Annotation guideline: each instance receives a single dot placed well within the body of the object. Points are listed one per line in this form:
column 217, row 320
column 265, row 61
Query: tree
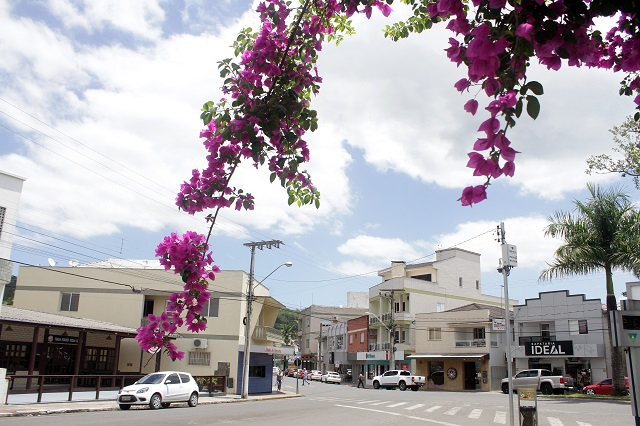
column 9, row 291
column 265, row 113
column 288, row 333
column 598, row 236
column 627, row 138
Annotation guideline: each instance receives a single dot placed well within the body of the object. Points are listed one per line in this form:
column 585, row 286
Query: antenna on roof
column 51, row 262
column 73, row 263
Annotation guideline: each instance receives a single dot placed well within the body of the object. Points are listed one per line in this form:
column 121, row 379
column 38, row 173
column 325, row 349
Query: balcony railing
column 267, row 333
column 473, row 343
column 384, row 317
column 378, row 346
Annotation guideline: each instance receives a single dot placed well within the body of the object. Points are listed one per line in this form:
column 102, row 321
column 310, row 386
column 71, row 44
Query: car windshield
column 151, row 379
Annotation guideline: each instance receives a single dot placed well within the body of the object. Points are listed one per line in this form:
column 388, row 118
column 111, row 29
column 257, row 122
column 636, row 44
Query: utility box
column 527, row 412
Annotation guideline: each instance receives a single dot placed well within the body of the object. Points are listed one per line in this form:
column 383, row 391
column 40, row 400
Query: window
column 14, row 356
column 257, row 371
column 185, row 378
column 307, row 344
column 477, row 284
column 439, row 307
column 199, row 358
column 578, row 327
column 173, row 378
column 308, row 322
column 397, row 305
column 340, row 342
column 435, row 334
column 582, row 327
column 362, row 337
column 460, row 281
column 478, row 333
column 544, row 331
column 404, row 306
column 211, row 307
column 351, row 339
column 425, row 277
column 99, row 359
column 69, row 302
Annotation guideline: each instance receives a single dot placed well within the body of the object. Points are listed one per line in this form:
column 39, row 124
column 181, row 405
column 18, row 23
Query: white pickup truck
column 540, row 380
column 401, row 379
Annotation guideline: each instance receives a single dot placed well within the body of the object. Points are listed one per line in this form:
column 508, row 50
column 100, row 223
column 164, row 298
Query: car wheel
column 505, row 388
column 590, row 392
column 125, row 407
column 402, row 386
column 546, row 389
column 166, row 404
column 155, row 402
column 193, row 400
column 376, row 385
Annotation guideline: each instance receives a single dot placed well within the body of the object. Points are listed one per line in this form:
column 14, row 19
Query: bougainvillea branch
column 265, row 112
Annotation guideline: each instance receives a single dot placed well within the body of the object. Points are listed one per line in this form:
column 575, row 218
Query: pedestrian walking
column 279, row 379
column 361, row 381
column 305, row 377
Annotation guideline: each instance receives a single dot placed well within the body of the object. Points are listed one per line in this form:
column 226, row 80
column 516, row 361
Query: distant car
column 324, row 376
column 291, row 373
column 333, row 378
column 605, row 387
column 315, row 375
column 160, row 390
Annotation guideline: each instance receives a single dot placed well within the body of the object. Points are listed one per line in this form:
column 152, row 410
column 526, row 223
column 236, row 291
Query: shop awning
column 444, row 356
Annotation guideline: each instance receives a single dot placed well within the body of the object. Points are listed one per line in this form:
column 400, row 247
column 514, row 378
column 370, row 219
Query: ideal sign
column 557, row 348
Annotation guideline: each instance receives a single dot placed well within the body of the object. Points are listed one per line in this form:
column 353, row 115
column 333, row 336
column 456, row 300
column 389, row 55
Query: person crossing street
column 361, row 381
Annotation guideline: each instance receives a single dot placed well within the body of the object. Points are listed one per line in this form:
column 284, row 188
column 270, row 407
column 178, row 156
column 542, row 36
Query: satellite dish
column 73, row 263
column 51, row 262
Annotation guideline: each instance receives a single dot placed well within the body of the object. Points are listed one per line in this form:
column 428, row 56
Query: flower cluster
column 497, row 46
column 189, row 257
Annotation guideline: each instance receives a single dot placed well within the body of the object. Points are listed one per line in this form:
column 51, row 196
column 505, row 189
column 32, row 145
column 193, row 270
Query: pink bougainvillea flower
column 472, row 195
column 525, row 31
column 461, row 85
column 471, row 106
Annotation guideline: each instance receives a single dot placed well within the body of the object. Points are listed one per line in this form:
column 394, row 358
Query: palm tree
column 288, row 332
column 600, row 236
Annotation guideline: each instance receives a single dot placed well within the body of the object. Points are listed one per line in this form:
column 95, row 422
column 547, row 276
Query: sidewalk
column 21, row 405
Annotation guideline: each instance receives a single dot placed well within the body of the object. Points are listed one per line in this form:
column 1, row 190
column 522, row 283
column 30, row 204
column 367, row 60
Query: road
column 327, row 404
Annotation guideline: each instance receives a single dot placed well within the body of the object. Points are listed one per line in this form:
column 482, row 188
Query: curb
column 28, row 412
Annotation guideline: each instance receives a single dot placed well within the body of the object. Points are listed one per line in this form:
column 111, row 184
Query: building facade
column 451, row 281
column 313, row 324
column 563, row 333
column 10, row 192
column 126, row 292
column 462, row 348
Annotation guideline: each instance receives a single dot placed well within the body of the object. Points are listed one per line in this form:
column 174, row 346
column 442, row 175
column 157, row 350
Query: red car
column 604, row 387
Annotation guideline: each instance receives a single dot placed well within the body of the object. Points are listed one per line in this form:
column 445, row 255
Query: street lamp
column 247, row 329
column 392, row 339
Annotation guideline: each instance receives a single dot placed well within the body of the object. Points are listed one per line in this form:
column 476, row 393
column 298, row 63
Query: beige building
column 126, row 292
column 459, row 349
column 450, row 281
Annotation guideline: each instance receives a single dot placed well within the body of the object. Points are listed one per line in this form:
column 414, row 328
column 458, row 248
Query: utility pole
column 392, row 331
column 247, row 319
column 508, row 261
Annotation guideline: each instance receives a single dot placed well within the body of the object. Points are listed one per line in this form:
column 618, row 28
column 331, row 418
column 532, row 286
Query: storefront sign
column 62, row 339
column 373, row 356
column 274, row 350
column 551, row 348
column 499, row 324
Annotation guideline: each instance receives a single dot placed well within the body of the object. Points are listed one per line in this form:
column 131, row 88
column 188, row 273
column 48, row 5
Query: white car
column 315, row 375
column 160, row 390
column 332, row 377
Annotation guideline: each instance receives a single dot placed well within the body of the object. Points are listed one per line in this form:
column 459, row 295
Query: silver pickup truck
column 540, row 380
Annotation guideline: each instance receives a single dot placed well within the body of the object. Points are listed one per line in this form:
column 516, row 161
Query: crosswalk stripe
column 452, row 411
column 432, row 409
column 583, row 424
column 500, row 417
column 396, row 405
column 554, row 421
column 475, row 413
column 413, row 407
column 381, row 403
column 368, row 402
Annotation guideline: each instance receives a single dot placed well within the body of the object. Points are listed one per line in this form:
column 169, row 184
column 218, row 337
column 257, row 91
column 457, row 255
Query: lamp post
column 247, row 324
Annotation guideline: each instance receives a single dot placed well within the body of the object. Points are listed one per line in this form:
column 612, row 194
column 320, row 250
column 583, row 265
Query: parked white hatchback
column 160, row 390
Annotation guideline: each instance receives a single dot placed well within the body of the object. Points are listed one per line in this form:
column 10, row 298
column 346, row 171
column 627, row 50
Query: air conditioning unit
column 199, row 343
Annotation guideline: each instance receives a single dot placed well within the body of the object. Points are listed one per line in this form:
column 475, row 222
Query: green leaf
column 533, row 106
column 273, row 176
column 519, row 108
column 535, row 87
column 292, row 199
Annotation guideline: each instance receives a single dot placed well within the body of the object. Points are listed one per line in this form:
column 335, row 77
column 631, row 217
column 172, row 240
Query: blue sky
column 99, row 107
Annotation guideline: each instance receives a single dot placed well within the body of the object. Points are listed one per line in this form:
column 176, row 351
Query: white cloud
column 141, row 18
